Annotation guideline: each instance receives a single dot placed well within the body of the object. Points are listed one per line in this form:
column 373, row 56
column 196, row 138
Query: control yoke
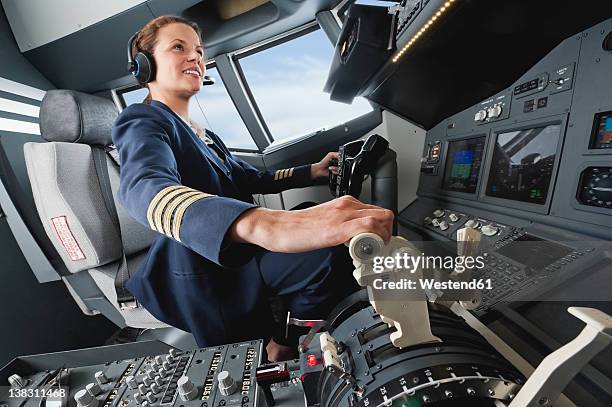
column 371, row 157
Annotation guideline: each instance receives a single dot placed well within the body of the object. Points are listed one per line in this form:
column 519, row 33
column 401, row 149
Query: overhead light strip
column 20, row 89
column 24, row 109
column 18, row 126
column 424, row 28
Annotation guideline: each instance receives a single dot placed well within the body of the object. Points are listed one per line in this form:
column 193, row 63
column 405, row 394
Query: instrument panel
column 522, row 163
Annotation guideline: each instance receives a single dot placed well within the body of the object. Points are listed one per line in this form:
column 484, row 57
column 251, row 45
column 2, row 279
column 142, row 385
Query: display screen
column 522, row 164
column 534, row 252
column 463, row 160
column 601, row 136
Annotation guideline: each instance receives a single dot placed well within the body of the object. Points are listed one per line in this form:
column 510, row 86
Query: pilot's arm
column 270, row 182
column 151, row 189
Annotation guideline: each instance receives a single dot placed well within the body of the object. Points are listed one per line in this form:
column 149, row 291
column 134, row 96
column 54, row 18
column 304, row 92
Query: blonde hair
column 146, row 39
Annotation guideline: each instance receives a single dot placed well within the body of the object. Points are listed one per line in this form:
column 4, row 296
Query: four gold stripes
column 167, row 208
column 282, row 174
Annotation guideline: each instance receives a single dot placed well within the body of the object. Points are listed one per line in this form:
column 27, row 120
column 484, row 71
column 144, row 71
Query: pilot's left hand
column 323, row 167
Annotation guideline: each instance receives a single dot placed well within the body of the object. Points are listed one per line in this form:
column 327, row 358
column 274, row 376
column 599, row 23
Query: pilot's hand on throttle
column 323, row 167
column 329, row 224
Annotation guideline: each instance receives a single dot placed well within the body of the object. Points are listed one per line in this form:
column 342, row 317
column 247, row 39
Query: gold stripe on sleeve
column 276, row 174
column 167, row 217
column 178, row 217
column 155, row 201
column 290, row 172
column 161, row 206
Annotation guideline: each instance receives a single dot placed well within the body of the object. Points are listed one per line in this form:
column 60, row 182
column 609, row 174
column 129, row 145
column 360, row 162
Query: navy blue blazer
column 172, row 182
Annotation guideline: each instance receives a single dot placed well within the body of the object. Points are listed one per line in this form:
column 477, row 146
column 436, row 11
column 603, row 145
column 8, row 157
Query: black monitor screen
column 522, row 164
column 463, row 159
column 602, row 131
column 534, row 252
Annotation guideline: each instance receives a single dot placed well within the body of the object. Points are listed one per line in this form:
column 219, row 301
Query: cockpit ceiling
column 476, row 50
column 93, row 58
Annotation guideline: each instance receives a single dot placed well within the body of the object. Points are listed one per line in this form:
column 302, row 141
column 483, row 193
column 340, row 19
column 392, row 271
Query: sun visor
column 366, row 42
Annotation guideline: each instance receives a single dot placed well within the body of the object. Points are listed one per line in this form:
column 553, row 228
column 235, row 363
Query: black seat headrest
column 76, row 117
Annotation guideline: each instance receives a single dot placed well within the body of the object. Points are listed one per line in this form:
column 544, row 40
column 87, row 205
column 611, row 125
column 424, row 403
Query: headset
column 142, row 65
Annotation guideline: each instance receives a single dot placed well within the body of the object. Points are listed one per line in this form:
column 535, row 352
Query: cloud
column 290, row 96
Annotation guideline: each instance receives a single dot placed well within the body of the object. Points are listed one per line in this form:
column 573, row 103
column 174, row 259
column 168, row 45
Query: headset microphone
column 207, row 80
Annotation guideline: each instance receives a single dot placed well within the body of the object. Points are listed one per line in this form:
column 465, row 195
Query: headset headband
column 131, row 65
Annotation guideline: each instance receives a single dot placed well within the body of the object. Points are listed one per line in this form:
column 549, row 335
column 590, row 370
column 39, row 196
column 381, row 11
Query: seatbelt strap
column 125, row 299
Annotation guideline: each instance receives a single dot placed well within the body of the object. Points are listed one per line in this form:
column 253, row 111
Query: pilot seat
column 69, row 190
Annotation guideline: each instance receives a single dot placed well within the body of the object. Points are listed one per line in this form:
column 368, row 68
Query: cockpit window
column 213, row 109
column 217, row 112
column 287, row 82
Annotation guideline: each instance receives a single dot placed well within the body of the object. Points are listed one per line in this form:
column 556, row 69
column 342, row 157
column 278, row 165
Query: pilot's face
column 179, row 57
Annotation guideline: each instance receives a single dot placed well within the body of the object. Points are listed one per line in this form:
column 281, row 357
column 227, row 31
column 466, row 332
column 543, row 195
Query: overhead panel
column 39, row 22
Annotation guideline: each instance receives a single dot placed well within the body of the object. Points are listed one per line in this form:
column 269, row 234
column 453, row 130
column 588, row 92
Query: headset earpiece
column 145, row 67
column 141, row 65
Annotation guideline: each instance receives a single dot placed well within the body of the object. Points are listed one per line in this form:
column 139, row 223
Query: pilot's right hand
column 325, row 225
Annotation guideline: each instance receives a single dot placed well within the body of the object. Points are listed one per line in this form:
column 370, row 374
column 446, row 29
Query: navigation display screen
column 463, row 160
column 602, row 131
column 522, row 164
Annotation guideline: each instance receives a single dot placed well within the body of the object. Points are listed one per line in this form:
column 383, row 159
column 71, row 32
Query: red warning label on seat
column 68, row 241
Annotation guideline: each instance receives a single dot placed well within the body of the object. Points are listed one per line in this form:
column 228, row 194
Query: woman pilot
column 219, row 256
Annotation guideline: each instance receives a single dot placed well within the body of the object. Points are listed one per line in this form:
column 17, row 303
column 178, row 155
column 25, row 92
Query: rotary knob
column 161, row 372
column 16, row 381
column 494, row 111
column 131, row 382
column 427, row 220
column 173, row 352
column 151, row 374
column 101, row 377
column 159, row 360
column 170, row 359
column 227, row 385
column 435, row 223
column 187, row 390
column 489, row 230
column 84, row 399
column 443, row 225
column 93, row 389
column 158, row 381
column 142, row 389
column 154, row 388
column 166, row 366
column 480, row 115
column 453, row 217
column 438, row 213
column 472, row 223
column 147, row 382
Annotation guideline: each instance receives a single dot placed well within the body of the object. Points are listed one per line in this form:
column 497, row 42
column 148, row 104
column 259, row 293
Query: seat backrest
column 69, row 199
